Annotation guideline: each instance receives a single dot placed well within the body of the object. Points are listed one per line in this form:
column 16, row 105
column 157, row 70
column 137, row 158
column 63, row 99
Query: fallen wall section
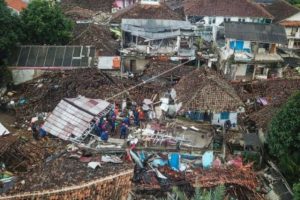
column 112, row 187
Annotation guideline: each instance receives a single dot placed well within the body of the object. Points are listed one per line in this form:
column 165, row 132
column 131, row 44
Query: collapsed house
column 250, row 51
column 209, row 16
column 152, row 30
column 72, row 117
column 207, row 96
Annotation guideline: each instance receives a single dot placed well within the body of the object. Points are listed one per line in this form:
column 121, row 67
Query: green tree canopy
column 284, row 138
column 9, row 30
column 296, row 191
column 43, row 22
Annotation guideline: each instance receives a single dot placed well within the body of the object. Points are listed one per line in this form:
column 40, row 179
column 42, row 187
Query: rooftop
column 281, row 10
column 265, row 33
column 142, row 11
column 239, row 8
column 204, row 89
column 17, row 5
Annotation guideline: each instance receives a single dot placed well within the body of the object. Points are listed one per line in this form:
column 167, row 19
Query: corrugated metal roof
column 264, row 33
column 72, row 116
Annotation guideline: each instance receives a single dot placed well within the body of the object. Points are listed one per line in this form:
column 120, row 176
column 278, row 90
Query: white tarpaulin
column 3, row 130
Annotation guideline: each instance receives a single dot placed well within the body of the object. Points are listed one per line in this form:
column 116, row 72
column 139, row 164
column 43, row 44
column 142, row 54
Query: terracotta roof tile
column 140, row 11
column 281, row 10
column 239, row 8
column 17, row 5
column 204, row 89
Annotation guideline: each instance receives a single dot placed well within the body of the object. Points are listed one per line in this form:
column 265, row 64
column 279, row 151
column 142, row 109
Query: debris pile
column 60, row 170
column 78, row 13
column 44, row 93
column 94, row 5
column 23, row 154
column 97, row 35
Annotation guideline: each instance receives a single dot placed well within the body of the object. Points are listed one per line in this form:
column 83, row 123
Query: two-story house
column 210, row 15
column 250, row 51
column 289, row 17
column 151, row 30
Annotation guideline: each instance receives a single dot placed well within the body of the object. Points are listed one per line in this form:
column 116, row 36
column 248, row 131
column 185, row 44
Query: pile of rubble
column 94, row 5
column 95, row 35
column 65, row 169
column 44, row 93
column 21, row 153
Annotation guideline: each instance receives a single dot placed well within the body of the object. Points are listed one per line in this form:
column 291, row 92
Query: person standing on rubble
column 123, row 131
column 141, row 117
column 104, row 136
column 126, row 120
column 136, row 118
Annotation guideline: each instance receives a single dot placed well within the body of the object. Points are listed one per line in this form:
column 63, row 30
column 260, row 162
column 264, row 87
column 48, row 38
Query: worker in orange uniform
column 141, row 117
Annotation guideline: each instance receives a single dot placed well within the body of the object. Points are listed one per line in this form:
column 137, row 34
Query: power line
column 148, row 80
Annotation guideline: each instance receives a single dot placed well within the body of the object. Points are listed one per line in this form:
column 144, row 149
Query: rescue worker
column 123, row 131
column 104, row 136
column 136, row 118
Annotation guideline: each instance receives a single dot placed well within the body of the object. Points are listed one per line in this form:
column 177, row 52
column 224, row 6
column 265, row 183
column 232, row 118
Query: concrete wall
column 21, row 76
column 112, row 187
column 140, row 64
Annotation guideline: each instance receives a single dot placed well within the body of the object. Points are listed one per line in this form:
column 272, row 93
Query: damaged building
column 209, row 16
column 249, row 51
column 153, row 30
column 206, row 96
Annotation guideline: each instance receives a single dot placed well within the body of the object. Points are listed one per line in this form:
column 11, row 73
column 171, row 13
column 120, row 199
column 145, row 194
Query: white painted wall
column 241, row 70
column 295, row 17
column 217, row 118
column 21, row 76
column 220, row 19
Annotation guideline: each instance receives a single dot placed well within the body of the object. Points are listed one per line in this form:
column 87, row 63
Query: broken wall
column 112, row 187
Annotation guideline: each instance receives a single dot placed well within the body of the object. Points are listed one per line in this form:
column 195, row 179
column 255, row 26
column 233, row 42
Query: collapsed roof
column 281, row 10
column 72, row 116
column 264, row 33
column 154, row 29
column 204, row 89
column 140, row 11
column 227, row 8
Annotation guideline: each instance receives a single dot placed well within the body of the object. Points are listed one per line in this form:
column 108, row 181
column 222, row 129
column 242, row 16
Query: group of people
column 107, row 125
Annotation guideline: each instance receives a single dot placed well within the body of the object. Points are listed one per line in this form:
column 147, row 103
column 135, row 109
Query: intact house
column 288, row 16
column 152, row 31
column 206, row 96
column 249, row 51
column 209, row 15
column 16, row 5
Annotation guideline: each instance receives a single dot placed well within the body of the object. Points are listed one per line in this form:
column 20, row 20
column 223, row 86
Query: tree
column 10, row 33
column 296, row 189
column 284, row 138
column 9, row 30
column 43, row 22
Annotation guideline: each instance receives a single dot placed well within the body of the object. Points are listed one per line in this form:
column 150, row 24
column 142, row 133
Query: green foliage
column 294, row 1
column 284, row 138
column 296, row 189
column 43, row 22
column 9, row 30
column 215, row 194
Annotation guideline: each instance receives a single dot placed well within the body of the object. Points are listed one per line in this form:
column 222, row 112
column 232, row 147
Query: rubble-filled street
column 150, row 99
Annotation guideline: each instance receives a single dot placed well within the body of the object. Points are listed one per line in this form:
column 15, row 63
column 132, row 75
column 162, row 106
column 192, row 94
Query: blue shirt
column 104, row 136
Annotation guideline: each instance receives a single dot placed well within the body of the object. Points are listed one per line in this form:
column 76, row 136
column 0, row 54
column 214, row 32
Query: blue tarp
column 159, row 162
column 174, row 161
column 207, row 159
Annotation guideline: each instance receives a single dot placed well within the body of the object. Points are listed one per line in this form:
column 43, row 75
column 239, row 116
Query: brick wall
column 114, row 187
